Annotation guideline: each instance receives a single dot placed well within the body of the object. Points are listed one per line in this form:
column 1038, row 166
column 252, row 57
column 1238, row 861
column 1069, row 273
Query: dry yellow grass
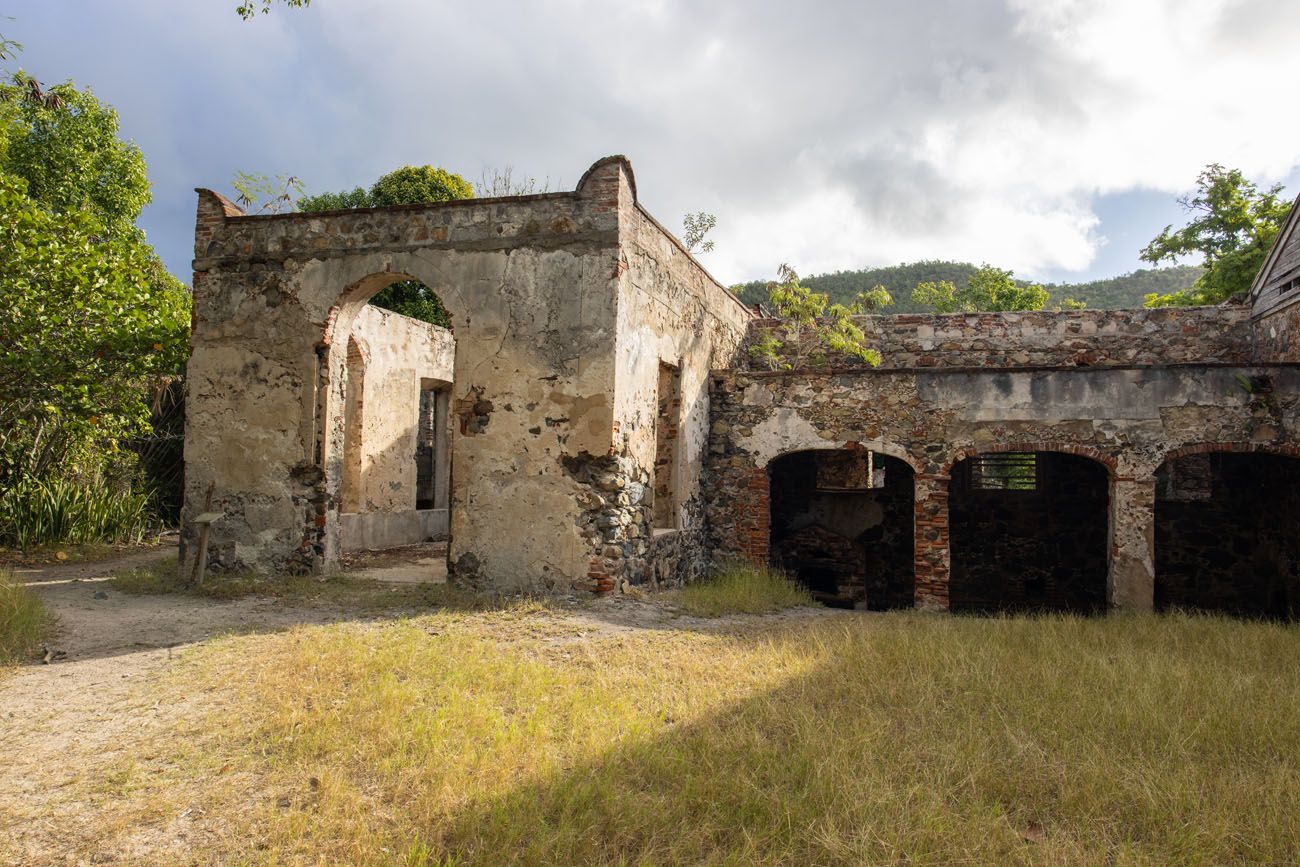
column 527, row 736
column 22, row 621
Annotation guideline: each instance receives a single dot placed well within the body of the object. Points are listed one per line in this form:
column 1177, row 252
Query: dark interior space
column 1226, row 537
column 1028, row 532
column 842, row 525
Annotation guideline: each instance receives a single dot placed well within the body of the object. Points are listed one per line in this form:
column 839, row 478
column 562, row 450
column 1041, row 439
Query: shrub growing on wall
column 409, row 185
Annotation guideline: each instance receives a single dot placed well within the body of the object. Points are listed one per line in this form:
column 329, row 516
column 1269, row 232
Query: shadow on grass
column 944, row 741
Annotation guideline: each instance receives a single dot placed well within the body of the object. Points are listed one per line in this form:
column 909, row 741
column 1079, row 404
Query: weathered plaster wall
column 400, row 354
column 532, row 285
column 1129, row 419
column 670, row 311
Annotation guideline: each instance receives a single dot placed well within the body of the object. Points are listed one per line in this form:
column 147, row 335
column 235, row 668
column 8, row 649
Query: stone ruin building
column 592, row 421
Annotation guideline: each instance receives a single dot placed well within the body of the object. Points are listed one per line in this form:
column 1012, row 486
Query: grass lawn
column 530, row 735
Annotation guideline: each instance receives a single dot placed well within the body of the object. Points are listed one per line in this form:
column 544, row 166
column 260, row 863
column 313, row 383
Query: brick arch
column 1283, row 449
column 1109, row 461
column 889, row 450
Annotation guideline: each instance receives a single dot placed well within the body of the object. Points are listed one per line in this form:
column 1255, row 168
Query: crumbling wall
column 670, row 312
column 1051, row 338
column 532, row 285
column 1127, row 418
column 401, row 354
column 395, row 356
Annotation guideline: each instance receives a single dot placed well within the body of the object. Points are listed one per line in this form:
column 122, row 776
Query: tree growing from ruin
column 812, row 330
column 989, row 288
column 409, row 185
column 1233, row 226
column 694, row 229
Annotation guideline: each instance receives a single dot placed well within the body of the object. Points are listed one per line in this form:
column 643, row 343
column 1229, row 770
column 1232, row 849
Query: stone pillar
column 1130, row 584
column 931, row 539
column 756, row 518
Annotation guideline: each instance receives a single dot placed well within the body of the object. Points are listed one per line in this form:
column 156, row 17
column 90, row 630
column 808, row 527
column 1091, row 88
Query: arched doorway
column 1028, row 531
column 385, row 426
column 842, row 524
column 1226, row 537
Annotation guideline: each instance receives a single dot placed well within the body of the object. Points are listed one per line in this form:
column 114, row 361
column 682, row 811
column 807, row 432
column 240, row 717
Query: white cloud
column 826, row 134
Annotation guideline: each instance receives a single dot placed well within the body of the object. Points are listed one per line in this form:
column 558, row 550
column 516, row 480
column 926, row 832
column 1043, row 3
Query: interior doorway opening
column 1226, row 537
column 1029, row 532
column 842, row 525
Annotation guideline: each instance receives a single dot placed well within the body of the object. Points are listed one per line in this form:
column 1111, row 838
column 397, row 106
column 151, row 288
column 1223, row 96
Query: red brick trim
column 889, row 450
column 1284, row 449
column 1109, row 461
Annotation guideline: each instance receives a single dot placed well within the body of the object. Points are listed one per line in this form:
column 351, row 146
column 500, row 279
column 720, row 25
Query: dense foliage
column 900, row 280
column 1233, row 227
column 89, row 318
column 409, row 185
column 988, row 288
column 812, row 329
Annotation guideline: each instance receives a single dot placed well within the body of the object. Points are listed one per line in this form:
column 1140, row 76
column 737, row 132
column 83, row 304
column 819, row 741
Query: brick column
column 1130, row 583
column 931, row 539
column 754, row 527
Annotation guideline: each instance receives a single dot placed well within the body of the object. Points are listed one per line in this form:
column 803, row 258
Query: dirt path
column 76, row 715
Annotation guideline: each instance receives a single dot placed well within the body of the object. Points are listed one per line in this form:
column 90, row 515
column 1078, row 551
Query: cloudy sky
column 1048, row 136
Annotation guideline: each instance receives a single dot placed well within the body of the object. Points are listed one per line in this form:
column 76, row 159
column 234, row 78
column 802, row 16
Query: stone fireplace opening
column 1029, row 532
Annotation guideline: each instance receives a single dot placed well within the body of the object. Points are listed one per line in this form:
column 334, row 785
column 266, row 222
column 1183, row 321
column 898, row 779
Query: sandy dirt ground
column 89, row 705
column 74, row 719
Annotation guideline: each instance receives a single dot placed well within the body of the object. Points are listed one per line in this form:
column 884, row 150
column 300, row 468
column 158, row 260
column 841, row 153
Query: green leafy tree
column 63, row 143
column 875, row 298
column 937, row 295
column 1233, row 227
column 87, row 319
column 259, row 193
column 694, row 229
column 410, row 185
column 988, row 289
column 356, row 198
column 810, row 326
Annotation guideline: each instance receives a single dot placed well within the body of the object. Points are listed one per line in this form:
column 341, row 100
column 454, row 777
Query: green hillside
column 1127, row 290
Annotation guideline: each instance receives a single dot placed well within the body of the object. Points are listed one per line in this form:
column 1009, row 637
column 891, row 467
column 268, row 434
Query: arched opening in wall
column 1028, row 531
column 383, row 415
column 1226, row 537
column 842, row 525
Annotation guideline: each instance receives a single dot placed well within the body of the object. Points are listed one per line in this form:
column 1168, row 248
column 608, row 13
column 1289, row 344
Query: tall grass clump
column 742, row 588
column 22, row 620
column 63, row 511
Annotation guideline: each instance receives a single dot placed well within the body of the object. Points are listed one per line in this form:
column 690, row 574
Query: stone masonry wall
column 1045, row 338
column 671, row 312
column 1127, row 419
column 532, row 287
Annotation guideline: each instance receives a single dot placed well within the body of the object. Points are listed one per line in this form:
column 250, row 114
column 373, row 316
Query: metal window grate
column 1004, row 471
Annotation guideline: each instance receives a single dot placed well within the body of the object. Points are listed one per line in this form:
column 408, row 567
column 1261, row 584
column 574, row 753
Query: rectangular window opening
column 667, row 422
column 426, row 441
column 1004, row 471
